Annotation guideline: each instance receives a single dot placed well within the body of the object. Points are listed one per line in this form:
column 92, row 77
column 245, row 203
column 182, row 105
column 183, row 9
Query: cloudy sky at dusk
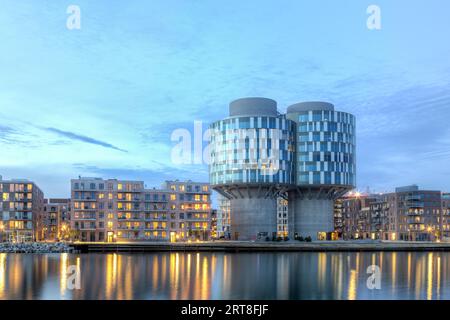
column 104, row 100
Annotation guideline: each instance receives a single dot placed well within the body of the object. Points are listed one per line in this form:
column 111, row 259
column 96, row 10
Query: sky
column 103, row 100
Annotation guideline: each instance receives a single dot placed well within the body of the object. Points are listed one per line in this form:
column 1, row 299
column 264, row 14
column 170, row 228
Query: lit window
column 119, row 186
column 181, row 187
column 173, row 197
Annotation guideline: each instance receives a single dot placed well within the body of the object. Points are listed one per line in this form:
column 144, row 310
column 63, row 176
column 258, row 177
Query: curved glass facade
column 254, row 149
column 325, row 147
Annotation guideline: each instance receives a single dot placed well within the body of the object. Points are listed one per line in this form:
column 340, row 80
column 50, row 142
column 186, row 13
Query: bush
column 308, row 239
column 279, row 239
column 286, row 239
column 267, row 239
column 300, row 239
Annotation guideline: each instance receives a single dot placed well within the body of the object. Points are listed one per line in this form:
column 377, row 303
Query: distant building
column 121, row 210
column 21, row 202
column 189, row 209
column 358, row 222
column 338, row 220
column 418, row 214
column 446, row 215
column 282, row 218
column 408, row 214
column 223, row 217
column 54, row 221
column 214, row 224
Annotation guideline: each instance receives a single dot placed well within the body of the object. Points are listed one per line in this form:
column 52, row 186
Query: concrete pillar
column 253, row 216
column 312, row 216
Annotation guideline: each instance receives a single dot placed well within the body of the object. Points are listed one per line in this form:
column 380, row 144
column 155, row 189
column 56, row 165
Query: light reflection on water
column 333, row 275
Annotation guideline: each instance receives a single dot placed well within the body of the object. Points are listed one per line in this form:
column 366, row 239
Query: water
column 415, row 275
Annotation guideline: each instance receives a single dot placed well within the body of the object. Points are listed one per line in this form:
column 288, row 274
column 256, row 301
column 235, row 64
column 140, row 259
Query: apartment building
column 214, row 224
column 338, row 219
column 282, row 217
column 121, row 210
column 21, row 202
column 408, row 214
column 358, row 222
column 54, row 220
column 446, row 215
column 189, row 210
column 223, row 217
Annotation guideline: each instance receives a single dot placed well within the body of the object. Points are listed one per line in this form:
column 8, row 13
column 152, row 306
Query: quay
column 241, row 246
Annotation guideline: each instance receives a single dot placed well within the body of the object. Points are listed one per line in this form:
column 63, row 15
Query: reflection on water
column 404, row 275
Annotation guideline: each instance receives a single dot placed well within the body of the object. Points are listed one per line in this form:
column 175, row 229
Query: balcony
column 412, row 205
column 129, row 228
column 415, row 197
column 155, row 229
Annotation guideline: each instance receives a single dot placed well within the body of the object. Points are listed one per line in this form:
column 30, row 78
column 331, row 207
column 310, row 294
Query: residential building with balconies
column 118, row 210
column 55, row 220
column 21, row 203
column 189, row 210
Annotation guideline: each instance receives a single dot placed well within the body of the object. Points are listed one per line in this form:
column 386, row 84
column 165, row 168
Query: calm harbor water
column 404, row 275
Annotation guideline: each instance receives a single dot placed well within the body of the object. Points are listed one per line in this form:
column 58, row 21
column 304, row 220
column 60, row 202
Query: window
column 119, row 186
column 303, row 117
column 173, row 197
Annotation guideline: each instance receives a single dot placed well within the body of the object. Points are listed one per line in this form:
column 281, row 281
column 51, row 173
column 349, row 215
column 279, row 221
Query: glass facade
column 326, row 148
column 254, row 149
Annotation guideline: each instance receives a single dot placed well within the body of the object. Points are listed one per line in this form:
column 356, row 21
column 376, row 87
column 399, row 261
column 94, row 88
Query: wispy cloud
column 78, row 137
column 5, row 132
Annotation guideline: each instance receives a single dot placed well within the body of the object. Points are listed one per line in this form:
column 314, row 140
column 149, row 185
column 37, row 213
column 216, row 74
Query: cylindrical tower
column 325, row 166
column 252, row 161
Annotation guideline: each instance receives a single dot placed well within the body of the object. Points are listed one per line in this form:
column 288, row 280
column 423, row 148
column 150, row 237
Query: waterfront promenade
column 240, row 246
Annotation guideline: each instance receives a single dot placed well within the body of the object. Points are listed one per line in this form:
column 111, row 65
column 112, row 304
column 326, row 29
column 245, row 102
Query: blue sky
column 104, row 100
